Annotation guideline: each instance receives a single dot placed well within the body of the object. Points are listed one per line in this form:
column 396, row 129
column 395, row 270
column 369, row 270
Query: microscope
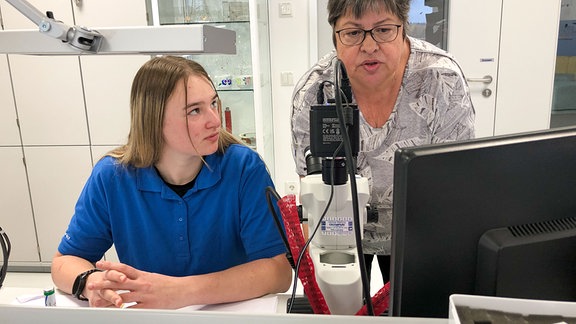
column 335, row 202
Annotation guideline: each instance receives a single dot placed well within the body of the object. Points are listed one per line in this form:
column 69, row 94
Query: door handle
column 486, row 79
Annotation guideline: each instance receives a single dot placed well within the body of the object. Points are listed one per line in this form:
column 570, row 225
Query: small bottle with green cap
column 49, row 297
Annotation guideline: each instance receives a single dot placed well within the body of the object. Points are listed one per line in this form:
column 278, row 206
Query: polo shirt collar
column 148, row 179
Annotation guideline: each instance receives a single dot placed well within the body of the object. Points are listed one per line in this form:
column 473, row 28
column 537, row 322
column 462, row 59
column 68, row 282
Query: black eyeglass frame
column 369, row 31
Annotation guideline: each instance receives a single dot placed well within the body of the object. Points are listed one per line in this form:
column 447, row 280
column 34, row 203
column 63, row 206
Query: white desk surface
column 18, row 284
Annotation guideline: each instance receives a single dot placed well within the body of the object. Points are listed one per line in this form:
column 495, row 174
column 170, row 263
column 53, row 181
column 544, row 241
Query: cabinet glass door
column 243, row 79
column 564, row 99
column 429, row 21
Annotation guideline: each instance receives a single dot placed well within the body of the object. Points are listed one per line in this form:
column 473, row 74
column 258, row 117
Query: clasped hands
column 120, row 285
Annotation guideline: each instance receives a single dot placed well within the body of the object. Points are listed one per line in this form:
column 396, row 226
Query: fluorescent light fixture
column 55, row 38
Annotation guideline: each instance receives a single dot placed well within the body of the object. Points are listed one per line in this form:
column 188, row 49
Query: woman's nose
column 369, row 45
column 214, row 119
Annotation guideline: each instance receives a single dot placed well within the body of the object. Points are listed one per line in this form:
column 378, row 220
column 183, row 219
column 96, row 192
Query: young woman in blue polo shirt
column 183, row 202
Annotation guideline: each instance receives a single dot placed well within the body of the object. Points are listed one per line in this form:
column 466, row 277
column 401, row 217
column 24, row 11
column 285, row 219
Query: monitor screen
column 446, row 196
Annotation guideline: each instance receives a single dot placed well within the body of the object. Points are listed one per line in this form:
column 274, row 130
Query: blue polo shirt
column 223, row 221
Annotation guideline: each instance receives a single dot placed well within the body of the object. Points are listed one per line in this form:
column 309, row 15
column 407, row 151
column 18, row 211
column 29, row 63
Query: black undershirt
column 180, row 190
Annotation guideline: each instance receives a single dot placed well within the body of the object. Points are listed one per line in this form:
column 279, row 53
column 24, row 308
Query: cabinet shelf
column 236, row 89
column 214, row 22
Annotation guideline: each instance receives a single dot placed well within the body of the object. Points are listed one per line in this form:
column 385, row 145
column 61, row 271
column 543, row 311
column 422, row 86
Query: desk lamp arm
column 78, row 37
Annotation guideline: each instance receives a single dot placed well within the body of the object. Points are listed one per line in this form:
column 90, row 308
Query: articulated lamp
column 77, row 40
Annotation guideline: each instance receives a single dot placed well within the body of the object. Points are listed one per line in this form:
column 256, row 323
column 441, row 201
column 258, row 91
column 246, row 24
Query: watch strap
column 80, row 283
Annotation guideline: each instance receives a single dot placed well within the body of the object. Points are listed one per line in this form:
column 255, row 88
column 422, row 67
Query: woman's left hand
column 136, row 288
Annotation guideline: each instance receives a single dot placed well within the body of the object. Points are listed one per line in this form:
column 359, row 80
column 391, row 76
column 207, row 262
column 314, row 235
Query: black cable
column 271, row 191
column 352, row 172
column 6, row 248
column 320, row 93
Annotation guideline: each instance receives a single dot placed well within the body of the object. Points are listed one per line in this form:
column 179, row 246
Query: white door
column 513, row 43
column 474, row 39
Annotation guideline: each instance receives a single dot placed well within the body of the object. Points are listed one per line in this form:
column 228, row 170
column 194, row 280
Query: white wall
column 289, row 39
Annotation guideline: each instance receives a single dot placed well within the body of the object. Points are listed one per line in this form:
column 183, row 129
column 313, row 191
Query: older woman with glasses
column 408, row 91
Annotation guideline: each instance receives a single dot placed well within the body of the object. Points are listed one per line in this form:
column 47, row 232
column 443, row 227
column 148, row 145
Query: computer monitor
column 447, row 196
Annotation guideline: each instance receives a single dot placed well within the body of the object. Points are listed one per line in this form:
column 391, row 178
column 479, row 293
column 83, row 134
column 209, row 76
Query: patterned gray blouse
column 433, row 106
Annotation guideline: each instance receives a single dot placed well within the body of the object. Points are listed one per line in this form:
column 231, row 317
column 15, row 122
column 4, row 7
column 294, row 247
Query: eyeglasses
column 380, row 34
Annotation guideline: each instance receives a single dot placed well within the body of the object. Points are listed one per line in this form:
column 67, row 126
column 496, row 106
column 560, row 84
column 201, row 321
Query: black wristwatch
column 80, row 283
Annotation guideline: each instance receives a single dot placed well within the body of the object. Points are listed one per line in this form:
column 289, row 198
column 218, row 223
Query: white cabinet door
column 9, row 134
column 528, row 47
column 98, row 152
column 474, row 39
column 250, row 105
column 58, row 101
column 13, row 18
column 110, row 13
column 108, row 79
column 107, row 83
column 513, row 42
column 263, row 111
column 48, row 90
column 15, row 209
column 57, row 176
column 49, row 100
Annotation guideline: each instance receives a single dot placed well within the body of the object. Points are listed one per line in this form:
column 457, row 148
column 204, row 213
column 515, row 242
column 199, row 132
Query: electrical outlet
column 291, row 188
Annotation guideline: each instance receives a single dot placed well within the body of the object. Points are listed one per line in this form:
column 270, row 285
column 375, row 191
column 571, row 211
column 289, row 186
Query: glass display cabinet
column 242, row 80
